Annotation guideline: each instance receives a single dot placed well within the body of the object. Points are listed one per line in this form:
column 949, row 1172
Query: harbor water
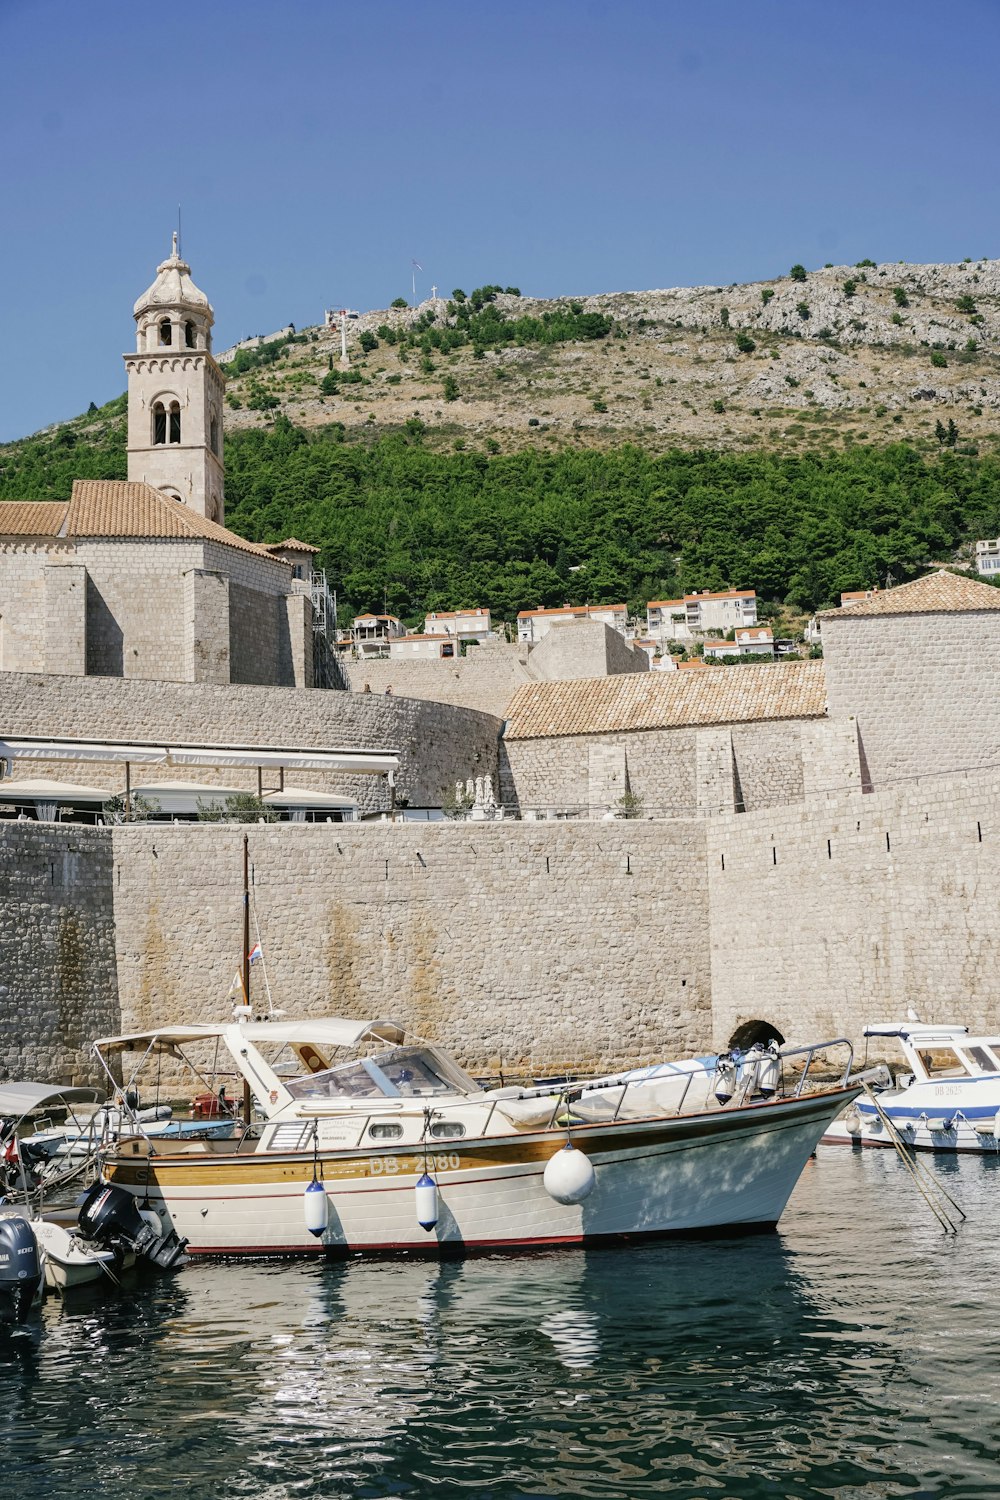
column 852, row 1354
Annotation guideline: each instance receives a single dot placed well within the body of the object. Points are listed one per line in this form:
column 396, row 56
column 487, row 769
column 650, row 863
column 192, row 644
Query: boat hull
column 722, row 1171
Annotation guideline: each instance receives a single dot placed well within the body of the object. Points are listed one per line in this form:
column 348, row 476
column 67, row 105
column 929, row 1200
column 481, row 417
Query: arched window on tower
column 175, row 422
column 159, row 423
column 166, row 332
column 189, row 335
column 213, row 436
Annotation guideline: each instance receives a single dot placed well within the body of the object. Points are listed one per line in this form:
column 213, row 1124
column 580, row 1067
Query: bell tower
column 175, row 393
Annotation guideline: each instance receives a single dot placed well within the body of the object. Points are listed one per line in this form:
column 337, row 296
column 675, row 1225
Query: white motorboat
column 70, row 1261
column 367, row 1140
column 945, row 1098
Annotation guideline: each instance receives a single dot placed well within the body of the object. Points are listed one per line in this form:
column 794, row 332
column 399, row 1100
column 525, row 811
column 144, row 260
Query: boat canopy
column 28, row 1098
column 916, row 1031
column 331, row 1030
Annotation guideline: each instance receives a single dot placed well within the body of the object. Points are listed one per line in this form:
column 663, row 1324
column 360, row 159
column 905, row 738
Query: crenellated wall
column 523, row 945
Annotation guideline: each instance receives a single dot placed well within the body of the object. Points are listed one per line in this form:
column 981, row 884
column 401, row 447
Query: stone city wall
column 764, row 767
column 485, row 683
column 523, row 944
column 854, row 908
column 922, row 688
column 58, row 968
column 436, row 744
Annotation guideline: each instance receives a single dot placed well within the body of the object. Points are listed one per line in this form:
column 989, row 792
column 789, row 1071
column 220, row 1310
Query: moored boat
column 946, row 1097
column 368, row 1140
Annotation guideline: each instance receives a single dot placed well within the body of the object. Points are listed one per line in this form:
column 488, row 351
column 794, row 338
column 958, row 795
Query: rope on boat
column 923, row 1178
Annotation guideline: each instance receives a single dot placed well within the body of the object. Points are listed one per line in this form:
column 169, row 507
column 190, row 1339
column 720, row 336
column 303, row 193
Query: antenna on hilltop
column 415, row 267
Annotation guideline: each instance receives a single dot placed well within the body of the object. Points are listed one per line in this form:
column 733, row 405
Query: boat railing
column 748, row 1078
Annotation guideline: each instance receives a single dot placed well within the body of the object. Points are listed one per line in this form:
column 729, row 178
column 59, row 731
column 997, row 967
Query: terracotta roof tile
column 124, row 508
column 31, row 517
column 290, row 544
column 654, row 700
column 936, row 593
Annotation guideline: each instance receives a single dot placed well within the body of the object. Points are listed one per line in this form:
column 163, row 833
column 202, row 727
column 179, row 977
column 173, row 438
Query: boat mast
column 247, row 1108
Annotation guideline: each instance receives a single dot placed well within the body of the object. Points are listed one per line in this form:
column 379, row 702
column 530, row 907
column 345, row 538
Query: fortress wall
column 853, row 908
column 135, row 607
column 922, row 688
column 517, row 942
column 662, row 768
column 437, row 745
column 23, row 613
column 538, row 944
column 484, row 682
column 58, row 971
column 544, row 773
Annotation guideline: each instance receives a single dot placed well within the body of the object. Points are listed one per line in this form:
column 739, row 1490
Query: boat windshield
column 943, row 1062
column 402, row 1073
column 981, row 1059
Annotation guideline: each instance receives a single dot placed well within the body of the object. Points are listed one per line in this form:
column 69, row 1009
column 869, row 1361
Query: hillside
column 848, row 460
column 902, row 349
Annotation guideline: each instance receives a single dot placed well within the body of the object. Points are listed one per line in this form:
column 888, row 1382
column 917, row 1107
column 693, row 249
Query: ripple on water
column 850, row 1356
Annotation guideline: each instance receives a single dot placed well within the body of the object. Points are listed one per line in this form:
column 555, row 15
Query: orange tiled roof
column 290, row 544
column 667, row 700
column 726, row 594
column 32, row 517
column 665, row 604
column 936, row 593
column 575, row 609
column 114, row 508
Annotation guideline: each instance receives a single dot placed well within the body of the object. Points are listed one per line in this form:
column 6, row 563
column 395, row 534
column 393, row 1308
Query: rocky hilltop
column 812, row 359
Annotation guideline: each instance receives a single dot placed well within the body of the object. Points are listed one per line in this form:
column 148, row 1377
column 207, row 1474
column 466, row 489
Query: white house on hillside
column 988, row 558
column 666, row 620
column 534, row 624
column 463, row 624
column 725, row 611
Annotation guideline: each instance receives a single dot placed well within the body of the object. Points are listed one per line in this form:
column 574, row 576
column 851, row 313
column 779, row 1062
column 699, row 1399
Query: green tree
column 367, row 340
column 399, row 302
column 449, row 388
column 798, row 273
column 850, row 287
column 899, row 293
column 745, row 343
column 766, row 294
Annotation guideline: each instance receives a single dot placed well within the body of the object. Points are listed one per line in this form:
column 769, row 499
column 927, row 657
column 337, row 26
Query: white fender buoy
column 316, row 1207
column 569, row 1175
column 426, row 1194
column 725, row 1078
column 996, row 1126
column 768, row 1073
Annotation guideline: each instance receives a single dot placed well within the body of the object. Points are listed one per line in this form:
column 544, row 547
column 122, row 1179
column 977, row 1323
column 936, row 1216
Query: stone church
column 141, row 578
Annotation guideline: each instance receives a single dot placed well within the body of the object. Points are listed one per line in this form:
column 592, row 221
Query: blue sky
column 565, row 146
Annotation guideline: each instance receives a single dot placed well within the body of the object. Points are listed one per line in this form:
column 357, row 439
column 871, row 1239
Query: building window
column 159, row 423
column 175, row 422
column 296, row 570
column 166, row 332
column 213, row 435
column 189, row 335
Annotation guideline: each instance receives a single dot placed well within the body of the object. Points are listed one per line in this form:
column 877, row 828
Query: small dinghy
column 70, row 1261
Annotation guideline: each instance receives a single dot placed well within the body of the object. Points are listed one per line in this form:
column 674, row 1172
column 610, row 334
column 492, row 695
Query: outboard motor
column 110, row 1216
column 20, row 1269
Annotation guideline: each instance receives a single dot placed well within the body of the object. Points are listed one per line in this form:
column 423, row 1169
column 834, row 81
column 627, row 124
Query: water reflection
column 845, row 1357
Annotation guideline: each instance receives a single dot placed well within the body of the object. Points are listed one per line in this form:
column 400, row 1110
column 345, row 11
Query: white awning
column 303, row 797
column 358, row 762
column 52, row 791
column 184, row 796
column 81, row 750
column 304, row 758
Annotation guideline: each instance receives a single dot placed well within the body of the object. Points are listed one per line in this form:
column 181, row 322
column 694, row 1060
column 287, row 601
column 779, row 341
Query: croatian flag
column 255, row 953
